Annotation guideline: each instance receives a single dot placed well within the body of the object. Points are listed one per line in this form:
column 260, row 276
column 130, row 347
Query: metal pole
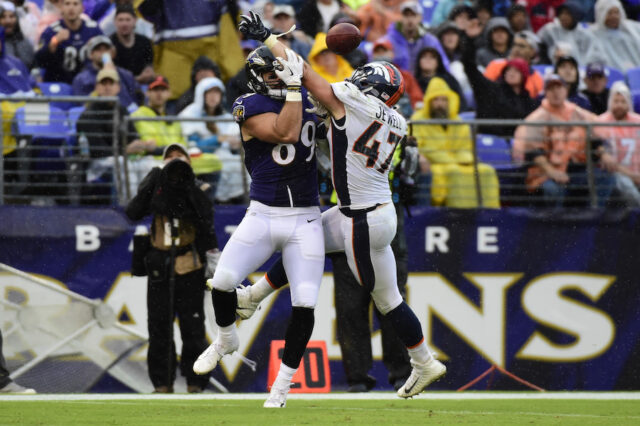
column 125, row 162
column 2, row 159
column 593, row 195
column 116, row 151
column 476, row 174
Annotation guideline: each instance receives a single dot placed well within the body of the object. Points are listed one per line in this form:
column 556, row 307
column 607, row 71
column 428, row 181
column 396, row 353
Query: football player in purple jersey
column 283, row 215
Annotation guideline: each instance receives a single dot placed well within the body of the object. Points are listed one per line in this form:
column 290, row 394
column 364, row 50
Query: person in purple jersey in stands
column 60, row 51
column 284, row 214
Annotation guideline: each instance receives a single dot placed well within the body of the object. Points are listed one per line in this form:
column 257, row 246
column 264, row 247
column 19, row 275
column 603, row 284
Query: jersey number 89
column 284, row 153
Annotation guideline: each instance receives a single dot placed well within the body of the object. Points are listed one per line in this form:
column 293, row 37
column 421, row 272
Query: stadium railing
column 45, row 161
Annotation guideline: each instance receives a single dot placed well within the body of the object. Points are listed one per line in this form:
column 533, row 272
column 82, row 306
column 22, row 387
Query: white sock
column 226, row 333
column 261, row 289
column 421, row 353
column 285, row 375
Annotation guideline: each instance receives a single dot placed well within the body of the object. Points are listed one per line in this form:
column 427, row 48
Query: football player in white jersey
column 363, row 133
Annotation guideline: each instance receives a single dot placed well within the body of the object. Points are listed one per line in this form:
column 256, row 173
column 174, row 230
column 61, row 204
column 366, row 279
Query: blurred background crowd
column 558, row 63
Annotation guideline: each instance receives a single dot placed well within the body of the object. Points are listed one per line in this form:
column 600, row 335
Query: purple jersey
column 69, row 58
column 282, row 175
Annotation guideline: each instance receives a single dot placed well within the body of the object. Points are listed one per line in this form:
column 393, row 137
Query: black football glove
column 253, row 28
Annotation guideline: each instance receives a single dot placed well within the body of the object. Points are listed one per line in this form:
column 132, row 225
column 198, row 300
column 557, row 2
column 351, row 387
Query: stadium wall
column 551, row 297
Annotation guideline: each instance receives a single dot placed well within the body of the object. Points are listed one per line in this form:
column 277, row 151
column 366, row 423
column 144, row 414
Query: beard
column 439, row 113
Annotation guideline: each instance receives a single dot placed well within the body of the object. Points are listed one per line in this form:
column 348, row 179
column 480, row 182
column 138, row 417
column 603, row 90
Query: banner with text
column 552, row 297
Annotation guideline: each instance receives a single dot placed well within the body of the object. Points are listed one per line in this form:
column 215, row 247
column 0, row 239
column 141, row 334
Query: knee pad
column 386, row 302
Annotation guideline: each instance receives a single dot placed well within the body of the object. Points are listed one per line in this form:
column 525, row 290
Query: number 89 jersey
column 362, row 146
column 282, row 175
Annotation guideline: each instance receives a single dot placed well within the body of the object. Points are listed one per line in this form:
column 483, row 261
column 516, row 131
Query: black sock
column 276, row 275
column 406, row 324
column 298, row 335
column 224, row 305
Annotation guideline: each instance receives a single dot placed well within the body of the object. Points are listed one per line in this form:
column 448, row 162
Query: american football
column 343, row 38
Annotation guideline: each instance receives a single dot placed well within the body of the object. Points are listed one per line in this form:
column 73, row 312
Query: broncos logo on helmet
column 258, row 62
column 381, row 80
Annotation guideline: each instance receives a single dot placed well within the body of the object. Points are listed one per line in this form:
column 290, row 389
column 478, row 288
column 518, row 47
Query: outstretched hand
column 292, row 68
column 253, row 28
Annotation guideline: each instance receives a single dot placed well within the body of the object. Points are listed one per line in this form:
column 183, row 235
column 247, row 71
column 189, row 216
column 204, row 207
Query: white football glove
column 292, row 68
column 317, row 109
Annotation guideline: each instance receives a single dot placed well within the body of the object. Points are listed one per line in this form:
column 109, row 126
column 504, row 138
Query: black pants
column 352, row 312
column 188, row 306
column 4, row 373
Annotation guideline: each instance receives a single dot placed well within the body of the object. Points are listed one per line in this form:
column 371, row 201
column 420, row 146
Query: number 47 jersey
column 362, row 146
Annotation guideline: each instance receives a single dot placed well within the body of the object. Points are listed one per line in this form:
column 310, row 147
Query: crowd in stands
column 528, row 60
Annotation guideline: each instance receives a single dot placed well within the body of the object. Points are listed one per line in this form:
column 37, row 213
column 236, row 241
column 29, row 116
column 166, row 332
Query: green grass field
column 213, row 410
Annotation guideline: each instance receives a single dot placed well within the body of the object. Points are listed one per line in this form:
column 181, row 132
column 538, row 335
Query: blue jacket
column 405, row 52
column 14, row 76
column 85, row 82
column 173, row 21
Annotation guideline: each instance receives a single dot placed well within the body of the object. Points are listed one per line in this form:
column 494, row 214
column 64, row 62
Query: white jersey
column 362, row 146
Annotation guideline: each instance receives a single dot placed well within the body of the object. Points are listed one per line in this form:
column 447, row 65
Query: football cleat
column 422, row 375
column 16, row 389
column 246, row 305
column 278, row 396
column 208, row 359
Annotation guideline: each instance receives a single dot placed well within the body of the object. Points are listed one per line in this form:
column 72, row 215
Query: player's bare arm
column 283, row 127
column 252, row 27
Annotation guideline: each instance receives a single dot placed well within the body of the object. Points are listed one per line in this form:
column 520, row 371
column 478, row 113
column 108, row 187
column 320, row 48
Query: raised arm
column 253, row 28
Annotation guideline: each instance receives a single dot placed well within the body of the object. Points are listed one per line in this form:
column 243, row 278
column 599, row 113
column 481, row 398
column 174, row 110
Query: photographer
column 182, row 242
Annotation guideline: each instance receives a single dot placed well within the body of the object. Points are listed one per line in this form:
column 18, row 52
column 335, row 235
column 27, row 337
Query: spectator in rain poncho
column 616, row 38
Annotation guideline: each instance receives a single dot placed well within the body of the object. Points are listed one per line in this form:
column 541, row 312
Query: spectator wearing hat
column 596, row 91
column 96, row 123
column 556, row 153
column 616, row 38
column 162, row 133
column 133, row 51
column 409, row 37
column 565, row 29
column 525, row 46
column 15, row 42
column 376, row 16
column 100, row 52
column 518, row 18
column 567, row 68
column 498, row 39
column 283, row 18
column 443, row 9
column 61, row 51
column 503, row 98
column 202, row 68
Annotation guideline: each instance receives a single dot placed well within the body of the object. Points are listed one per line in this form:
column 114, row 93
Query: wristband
column 271, row 41
column 294, row 94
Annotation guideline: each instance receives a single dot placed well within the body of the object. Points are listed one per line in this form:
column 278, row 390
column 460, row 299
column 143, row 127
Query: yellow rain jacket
column 449, row 150
column 344, row 69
